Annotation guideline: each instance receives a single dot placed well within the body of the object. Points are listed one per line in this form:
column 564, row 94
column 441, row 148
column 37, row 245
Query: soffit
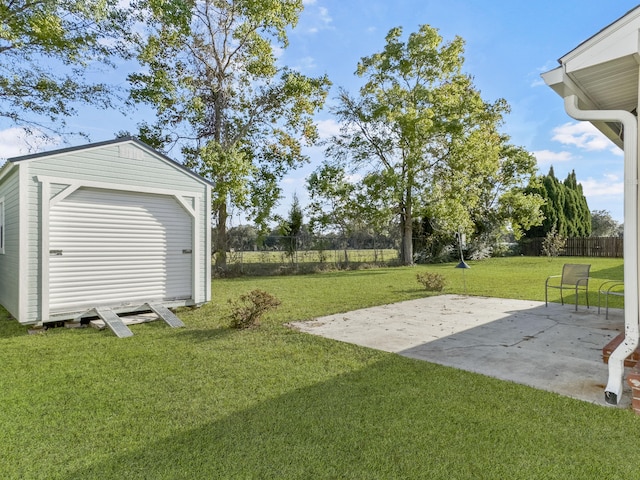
column 603, row 71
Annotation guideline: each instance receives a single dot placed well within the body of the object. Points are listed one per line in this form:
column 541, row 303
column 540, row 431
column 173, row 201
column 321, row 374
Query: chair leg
column 546, row 303
column 586, row 292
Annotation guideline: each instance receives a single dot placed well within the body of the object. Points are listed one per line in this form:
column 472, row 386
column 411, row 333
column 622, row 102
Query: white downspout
column 613, row 390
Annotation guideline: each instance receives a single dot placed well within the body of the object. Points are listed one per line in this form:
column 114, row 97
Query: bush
column 553, row 243
column 249, row 308
column 437, row 254
column 480, row 250
column 432, row 282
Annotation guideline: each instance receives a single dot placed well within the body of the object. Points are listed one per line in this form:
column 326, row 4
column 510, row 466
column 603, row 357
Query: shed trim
column 73, row 185
column 45, row 208
column 93, row 146
column 23, row 246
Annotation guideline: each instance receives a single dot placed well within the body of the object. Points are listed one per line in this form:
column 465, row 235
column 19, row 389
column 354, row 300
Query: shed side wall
column 9, row 261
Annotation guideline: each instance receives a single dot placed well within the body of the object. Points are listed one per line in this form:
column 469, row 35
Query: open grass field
column 316, row 256
column 307, row 261
column 206, row 401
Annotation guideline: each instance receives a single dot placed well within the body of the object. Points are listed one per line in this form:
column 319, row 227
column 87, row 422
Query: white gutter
column 613, row 390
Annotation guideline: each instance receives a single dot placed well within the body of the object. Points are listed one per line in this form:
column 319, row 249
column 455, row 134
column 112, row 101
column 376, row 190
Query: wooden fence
column 578, row 247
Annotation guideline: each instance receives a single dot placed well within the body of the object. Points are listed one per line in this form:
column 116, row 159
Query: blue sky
column 508, row 45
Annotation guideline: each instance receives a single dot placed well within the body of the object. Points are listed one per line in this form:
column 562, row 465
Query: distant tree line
column 248, row 238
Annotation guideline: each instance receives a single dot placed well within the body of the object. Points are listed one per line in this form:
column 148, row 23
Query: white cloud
column 610, row 185
column 353, row 178
column 305, row 64
column 537, row 82
column 306, row 3
column 582, row 135
column 277, row 51
column 316, row 18
column 324, row 16
column 17, row 141
column 327, row 128
column 547, row 156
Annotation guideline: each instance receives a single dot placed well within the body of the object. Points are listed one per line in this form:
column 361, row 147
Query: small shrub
column 249, row 308
column 480, row 251
column 432, row 282
column 553, row 243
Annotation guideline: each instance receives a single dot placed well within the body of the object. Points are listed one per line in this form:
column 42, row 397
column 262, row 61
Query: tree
column 503, row 199
column 421, row 130
column 549, row 189
column 45, row 47
column 603, row 224
column 332, row 198
column 565, row 207
column 291, row 228
column 346, row 206
column 238, row 117
column 576, row 210
column 243, row 237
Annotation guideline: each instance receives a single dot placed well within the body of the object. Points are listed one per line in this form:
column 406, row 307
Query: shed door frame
column 47, row 201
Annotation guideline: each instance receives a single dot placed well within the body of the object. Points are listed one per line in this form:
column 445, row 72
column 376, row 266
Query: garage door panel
column 112, row 248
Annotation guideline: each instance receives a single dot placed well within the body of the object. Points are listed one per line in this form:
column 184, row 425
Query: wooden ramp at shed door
column 113, row 248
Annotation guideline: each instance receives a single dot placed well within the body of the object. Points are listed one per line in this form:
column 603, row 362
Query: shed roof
column 603, row 71
column 121, row 140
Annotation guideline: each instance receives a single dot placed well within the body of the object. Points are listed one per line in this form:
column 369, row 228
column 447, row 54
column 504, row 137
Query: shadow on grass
column 397, row 418
column 615, row 273
column 9, row 326
column 205, row 335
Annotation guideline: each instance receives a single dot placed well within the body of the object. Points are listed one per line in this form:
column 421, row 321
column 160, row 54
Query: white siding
column 117, row 248
column 9, row 260
column 122, row 168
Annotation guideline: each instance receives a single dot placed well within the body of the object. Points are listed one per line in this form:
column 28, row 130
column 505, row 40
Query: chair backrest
column 573, row 272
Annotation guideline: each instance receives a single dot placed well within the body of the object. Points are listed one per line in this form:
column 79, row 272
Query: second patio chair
column 575, row 277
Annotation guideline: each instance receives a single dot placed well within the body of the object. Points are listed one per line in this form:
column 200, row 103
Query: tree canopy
column 427, row 142
column 239, row 118
column 603, row 224
column 565, row 207
column 45, row 49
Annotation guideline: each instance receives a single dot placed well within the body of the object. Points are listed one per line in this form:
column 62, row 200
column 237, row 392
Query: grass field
column 206, row 401
column 308, row 261
column 316, row 256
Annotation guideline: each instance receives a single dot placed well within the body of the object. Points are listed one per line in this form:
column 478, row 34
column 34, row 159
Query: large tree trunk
column 407, row 229
column 407, row 241
column 221, row 238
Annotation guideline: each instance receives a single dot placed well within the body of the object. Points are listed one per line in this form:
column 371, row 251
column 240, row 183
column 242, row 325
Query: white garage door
column 118, row 248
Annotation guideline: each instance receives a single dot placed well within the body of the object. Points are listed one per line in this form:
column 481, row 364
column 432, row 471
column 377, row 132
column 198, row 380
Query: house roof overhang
column 603, row 72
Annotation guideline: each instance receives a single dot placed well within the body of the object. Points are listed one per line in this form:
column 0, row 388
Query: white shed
column 101, row 229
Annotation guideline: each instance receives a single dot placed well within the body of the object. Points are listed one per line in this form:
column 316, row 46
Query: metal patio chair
column 610, row 287
column 575, row 276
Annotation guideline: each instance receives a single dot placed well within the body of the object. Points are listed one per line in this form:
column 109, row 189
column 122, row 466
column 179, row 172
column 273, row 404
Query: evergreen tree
column 565, row 207
column 576, row 210
column 290, row 229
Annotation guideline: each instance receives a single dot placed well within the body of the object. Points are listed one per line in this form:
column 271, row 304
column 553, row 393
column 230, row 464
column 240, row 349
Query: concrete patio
column 552, row 348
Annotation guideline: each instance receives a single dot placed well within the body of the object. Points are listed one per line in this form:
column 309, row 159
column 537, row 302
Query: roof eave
column 561, row 83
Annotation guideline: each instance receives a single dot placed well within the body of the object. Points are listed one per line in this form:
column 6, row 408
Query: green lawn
column 209, row 402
